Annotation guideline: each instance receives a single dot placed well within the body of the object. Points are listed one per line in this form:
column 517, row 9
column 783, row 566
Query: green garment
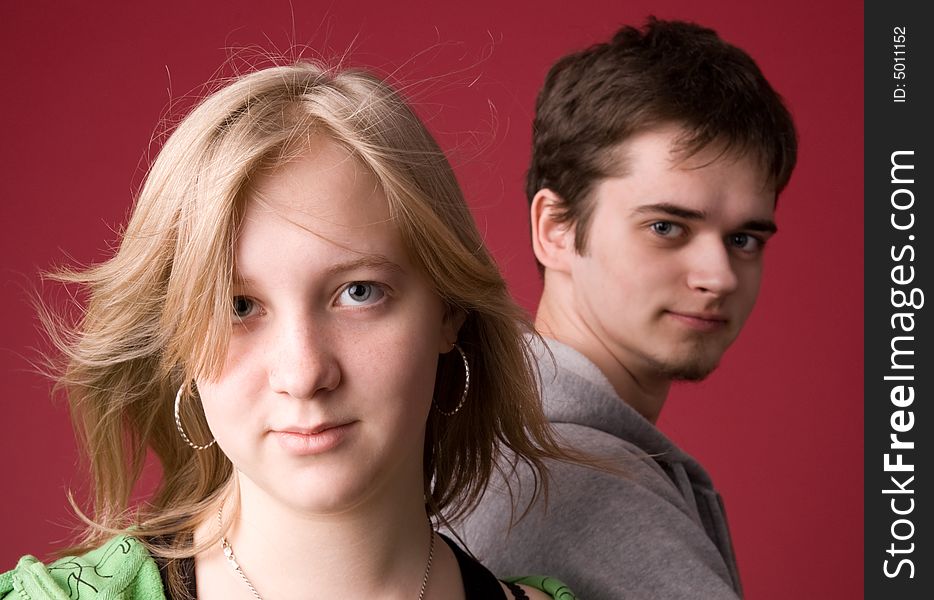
column 122, row 569
column 549, row 585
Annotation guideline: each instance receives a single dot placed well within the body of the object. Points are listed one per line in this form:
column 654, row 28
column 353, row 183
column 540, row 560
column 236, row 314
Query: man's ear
column 552, row 239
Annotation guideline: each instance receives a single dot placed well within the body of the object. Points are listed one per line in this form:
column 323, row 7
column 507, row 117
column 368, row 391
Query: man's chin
column 693, row 368
column 692, row 359
column 690, row 372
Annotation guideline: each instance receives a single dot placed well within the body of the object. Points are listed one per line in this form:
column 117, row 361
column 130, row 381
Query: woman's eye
column 666, row 228
column 360, row 293
column 242, row 306
column 745, row 242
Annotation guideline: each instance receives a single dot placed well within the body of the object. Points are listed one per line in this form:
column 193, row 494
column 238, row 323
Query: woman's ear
column 450, row 327
column 552, row 236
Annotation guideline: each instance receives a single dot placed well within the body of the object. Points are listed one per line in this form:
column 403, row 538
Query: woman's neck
column 377, row 549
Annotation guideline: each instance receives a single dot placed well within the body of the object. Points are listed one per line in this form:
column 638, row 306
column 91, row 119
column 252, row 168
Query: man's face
column 674, row 256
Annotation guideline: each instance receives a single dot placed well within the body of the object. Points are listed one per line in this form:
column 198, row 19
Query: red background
column 779, row 425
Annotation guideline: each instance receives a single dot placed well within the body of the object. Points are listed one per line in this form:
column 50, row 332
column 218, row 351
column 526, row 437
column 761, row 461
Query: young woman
column 303, row 325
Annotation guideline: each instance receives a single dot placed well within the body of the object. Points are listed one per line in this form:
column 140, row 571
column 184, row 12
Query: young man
column 657, row 161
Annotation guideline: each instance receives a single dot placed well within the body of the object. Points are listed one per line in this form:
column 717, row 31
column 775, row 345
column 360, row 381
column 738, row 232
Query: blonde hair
column 157, row 311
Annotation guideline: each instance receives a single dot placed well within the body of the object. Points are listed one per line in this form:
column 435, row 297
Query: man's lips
column 700, row 321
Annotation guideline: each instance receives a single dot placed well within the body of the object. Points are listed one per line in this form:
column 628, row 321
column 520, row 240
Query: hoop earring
column 466, row 387
column 178, row 422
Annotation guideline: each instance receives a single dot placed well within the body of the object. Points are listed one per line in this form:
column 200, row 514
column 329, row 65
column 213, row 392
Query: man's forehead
column 727, row 188
column 677, row 145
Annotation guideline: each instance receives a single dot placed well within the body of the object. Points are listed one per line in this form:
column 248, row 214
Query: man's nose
column 303, row 362
column 711, row 268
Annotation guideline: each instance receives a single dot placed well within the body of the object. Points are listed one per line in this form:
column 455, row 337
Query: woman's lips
column 313, row 441
column 699, row 321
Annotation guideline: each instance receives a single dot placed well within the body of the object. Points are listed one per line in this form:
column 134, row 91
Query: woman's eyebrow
column 240, row 281
column 368, row 261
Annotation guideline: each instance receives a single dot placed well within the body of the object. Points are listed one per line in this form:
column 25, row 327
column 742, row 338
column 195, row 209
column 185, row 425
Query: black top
column 479, row 582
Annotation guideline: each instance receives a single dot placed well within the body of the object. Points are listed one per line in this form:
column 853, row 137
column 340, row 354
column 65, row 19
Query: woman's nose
column 302, row 361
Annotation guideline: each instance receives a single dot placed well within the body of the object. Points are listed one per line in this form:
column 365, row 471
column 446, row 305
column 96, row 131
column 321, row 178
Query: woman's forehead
column 323, row 206
column 318, row 181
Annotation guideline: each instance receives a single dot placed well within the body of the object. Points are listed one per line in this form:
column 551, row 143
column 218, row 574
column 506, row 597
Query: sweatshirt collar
column 574, row 390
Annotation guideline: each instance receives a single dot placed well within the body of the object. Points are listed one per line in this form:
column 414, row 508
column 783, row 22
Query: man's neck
column 644, row 391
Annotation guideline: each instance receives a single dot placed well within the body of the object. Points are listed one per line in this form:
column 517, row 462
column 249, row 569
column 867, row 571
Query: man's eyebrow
column 763, row 225
column 669, row 209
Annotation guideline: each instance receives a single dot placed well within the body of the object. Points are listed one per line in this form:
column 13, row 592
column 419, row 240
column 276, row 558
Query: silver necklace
column 232, row 559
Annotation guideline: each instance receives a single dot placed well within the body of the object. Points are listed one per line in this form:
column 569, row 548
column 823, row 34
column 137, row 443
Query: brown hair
column 669, row 72
column 158, row 311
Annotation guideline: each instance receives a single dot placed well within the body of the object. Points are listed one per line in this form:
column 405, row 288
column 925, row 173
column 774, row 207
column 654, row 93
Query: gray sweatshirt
column 658, row 532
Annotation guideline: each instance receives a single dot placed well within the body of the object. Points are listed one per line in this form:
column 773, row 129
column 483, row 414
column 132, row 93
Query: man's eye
column 242, row 306
column 745, row 242
column 666, row 228
column 360, row 293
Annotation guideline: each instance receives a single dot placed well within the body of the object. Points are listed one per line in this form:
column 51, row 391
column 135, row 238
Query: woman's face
column 328, row 380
